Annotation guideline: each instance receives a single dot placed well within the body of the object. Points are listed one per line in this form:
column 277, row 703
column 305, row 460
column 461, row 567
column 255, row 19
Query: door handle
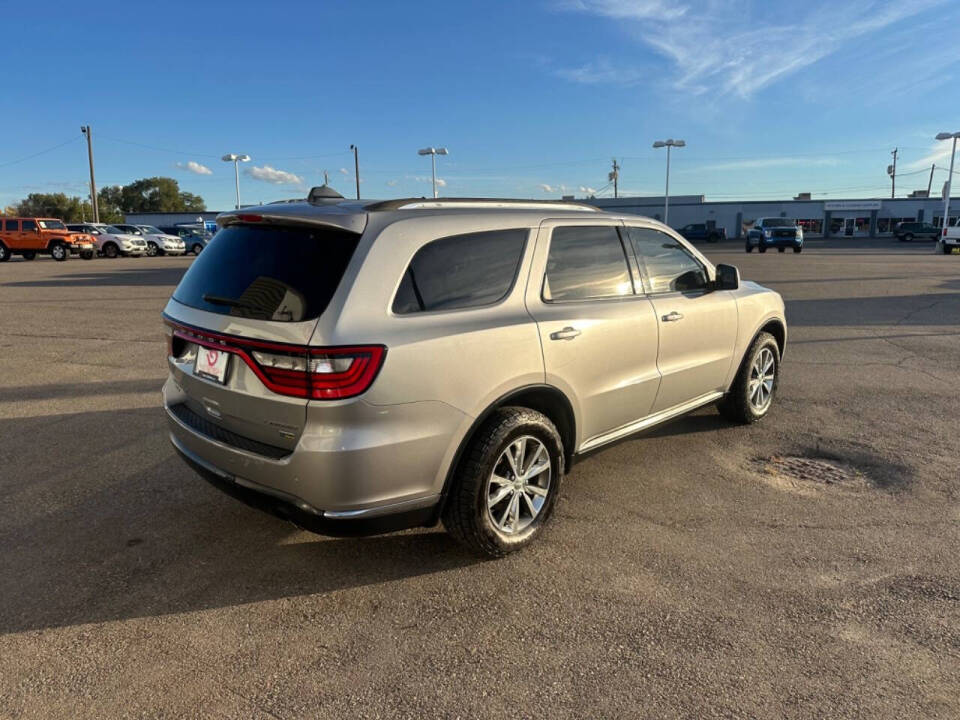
column 568, row 333
column 672, row 317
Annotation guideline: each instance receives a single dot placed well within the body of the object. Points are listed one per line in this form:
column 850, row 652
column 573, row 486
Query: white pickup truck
column 950, row 238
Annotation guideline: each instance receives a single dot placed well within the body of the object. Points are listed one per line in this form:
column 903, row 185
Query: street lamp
column 433, row 152
column 236, row 159
column 946, row 199
column 671, row 143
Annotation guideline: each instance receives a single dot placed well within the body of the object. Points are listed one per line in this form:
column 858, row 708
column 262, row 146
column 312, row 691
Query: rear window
column 268, row 272
column 461, row 271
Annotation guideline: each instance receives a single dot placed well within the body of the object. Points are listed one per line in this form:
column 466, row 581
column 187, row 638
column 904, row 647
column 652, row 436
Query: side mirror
column 728, row 278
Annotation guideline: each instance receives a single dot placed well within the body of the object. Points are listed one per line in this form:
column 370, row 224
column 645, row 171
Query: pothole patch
column 810, row 474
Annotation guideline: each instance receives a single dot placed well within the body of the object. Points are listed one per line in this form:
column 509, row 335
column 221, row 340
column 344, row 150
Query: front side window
column 586, row 263
column 29, row 225
column 667, row 264
column 461, row 271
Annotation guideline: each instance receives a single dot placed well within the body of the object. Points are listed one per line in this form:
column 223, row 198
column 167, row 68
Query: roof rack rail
column 474, row 203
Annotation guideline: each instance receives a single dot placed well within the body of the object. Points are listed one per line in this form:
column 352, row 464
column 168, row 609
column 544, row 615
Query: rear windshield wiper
column 264, row 313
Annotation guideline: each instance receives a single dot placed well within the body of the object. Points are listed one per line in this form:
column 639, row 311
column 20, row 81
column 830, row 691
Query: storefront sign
column 852, row 204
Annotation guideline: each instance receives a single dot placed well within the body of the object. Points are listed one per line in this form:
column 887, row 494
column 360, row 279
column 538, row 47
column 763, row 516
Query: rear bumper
column 353, row 463
column 300, row 513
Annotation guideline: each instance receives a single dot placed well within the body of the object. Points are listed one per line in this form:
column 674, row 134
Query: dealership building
column 823, row 218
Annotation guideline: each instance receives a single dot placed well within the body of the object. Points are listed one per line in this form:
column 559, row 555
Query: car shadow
column 145, row 277
column 111, row 525
column 78, row 390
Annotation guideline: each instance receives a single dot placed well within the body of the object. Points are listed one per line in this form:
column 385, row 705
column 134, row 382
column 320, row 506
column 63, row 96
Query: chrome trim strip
column 649, row 421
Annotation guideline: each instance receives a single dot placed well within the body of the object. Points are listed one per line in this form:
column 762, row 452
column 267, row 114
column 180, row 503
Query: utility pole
column 893, row 175
column 615, row 176
column 85, row 129
column 356, row 168
column 930, row 181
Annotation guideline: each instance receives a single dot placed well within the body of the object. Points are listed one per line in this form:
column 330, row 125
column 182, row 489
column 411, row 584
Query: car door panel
column 600, row 351
column 697, row 325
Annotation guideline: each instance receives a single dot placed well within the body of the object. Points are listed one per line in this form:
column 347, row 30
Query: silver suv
column 372, row 366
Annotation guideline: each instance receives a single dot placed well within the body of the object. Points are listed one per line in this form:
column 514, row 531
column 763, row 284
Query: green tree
column 110, row 203
column 159, row 194
column 55, row 205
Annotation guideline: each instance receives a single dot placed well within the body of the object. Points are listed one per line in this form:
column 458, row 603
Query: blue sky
column 533, row 99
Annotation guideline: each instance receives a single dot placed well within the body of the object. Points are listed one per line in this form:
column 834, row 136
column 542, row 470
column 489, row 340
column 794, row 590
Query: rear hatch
column 239, row 324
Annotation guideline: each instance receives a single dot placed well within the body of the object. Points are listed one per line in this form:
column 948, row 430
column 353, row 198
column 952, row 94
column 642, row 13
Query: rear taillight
column 331, row 373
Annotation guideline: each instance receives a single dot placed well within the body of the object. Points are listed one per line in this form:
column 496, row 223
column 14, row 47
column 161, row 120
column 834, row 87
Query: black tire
column 712, row 238
column 761, row 248
column 87, row 254
column 947, row 249
column 907, row 238
column 28, row 255
column 781, row 249
column 4, row 253
column 196, row 248
column 796, row 250
column 466, row 516
column 111, row 250
column 736, row 405
column 152, row 249
column 749, row 248
column 59, row 252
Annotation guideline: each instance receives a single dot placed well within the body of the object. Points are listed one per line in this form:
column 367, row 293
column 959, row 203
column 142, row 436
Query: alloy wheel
column 519, row 484
column 762, row 374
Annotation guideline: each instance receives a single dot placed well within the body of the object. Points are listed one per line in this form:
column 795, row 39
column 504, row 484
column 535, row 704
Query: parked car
column 777, row 232
column 29, row 237
column 158, row 242
column 909, row 231
column 701, row 231
column 192, row 240
column 950, row 239
column 373, row 367
column 111, row 241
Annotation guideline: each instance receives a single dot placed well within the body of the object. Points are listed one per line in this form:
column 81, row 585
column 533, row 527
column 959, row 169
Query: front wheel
column 753, row 390
column 507, row 484
column 907, row 238
column 111, row 250
column 59, row 252
column 152, row 249
column 4, row 253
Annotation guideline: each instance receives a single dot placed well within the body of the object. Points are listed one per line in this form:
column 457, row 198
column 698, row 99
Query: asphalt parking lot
column 695, row 571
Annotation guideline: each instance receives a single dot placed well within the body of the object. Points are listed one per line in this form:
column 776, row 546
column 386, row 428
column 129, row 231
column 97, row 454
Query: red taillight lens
column 318, row 373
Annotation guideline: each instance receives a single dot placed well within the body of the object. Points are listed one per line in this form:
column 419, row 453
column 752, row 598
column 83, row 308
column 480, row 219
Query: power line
column 42, row 152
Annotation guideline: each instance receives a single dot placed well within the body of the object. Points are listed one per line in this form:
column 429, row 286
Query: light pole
column 946, row 199
column 433, row 152
column 236, row 160
column 670, row 143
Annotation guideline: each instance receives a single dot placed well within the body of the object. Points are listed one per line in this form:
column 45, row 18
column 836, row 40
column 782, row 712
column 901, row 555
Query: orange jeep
column 29, row 236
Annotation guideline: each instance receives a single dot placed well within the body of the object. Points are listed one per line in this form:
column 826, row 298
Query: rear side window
column 10, row 225
column 586, row 263
column 461, row 271
column 667, row 265
column 268, row 272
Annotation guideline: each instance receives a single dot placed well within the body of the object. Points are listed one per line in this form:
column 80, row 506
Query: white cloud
column 938, row 155
column 441, row 182
column 737, row 48
column 274, row 176
column 195, row 167
column 344, row 171
column 393, row 183
column 587, row 190
column 548, row 188
column 427, row 179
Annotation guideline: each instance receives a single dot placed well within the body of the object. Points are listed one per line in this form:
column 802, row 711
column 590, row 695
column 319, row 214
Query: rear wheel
column 30, row 255
column 507, row 485
column 197, row 247
column 59, row 252
column 111, row 250
column 908, row 237
column 4, row 253
column 755, row 386
column 761, row 248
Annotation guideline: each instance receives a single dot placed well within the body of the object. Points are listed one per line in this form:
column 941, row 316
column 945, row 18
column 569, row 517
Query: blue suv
column 776, row 232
